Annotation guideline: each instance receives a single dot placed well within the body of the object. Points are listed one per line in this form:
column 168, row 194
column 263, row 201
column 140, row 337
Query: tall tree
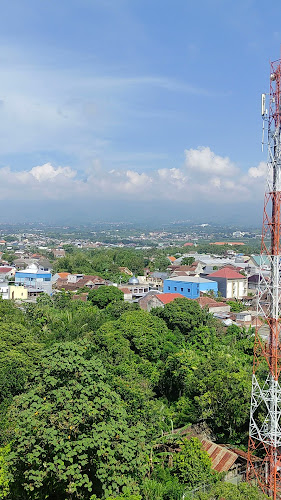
column 71, row 438
column 105, row 295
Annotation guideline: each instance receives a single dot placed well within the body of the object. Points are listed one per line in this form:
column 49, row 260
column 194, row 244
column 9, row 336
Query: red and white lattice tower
column 264, row 453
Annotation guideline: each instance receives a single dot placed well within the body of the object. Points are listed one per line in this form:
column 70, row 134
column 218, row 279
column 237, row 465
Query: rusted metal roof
column 222, row 458
column 242, row 454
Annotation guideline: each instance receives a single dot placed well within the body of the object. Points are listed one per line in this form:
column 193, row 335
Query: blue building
column 34, row 280
column 189, row 286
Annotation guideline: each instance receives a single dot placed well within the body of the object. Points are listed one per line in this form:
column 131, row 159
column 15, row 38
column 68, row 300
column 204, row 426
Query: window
column 169, row 288
column 175, row 288
column 188, row 290
column 181, row 289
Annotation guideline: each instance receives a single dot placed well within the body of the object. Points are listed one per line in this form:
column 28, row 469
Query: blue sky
column 107, row 102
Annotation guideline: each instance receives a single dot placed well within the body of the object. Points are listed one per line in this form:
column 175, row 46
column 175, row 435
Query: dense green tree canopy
column 147, row 335
column 192, row 465
column 79, row 431
column 105, row 295
column 90, row 393
column 187, row 261
column 182, row 315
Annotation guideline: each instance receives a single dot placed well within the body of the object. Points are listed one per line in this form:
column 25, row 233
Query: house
column 136, row 288
column 74, row 282
column 44, row 264
column 128, row 296
column 34, row 279
column 62, row 276
column 225, row 458
column 257, row 263
column 214, row 263
column 91, row 281
column 190, row 286
column 14, row 292
column 151, row 300
column 188, row 245
column 6, row 272
column 21, row 263
column 17, row 292
column 231, row 284
column 244, row 316
column 194, row 269
column 171, row 258
column 155, row 279
column 212, row 305
column 145, row 299
column 4, row 289
column 58, row 253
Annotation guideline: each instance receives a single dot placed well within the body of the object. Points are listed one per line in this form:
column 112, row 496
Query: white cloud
column 205, row 161
column 259, row 171
column 47, row 172
column 223, row 184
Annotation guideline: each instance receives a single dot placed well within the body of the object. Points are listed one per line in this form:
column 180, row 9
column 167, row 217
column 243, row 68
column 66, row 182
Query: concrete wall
column 236, row 289
column 190, row 290
column 221, row 309
column 18, row 292
column 4, row 290
column 232, row 289
column 221, row 285
column 35, row 281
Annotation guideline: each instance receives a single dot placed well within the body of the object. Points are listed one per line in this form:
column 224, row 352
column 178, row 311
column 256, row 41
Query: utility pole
column 264, row 451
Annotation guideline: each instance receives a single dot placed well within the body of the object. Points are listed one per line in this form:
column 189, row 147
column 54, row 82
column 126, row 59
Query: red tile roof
column 165, row 298
column 226, row 273
column 125, row 290
column 208, row 301
column 234, row 268
column 5, row 269
column 188, row 245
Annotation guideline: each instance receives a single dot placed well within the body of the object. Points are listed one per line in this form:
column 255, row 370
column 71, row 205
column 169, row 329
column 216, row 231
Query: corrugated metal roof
column 222, row 459
column 243, row 454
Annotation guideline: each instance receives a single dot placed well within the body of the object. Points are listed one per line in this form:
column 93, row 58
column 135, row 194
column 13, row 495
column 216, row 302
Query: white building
column 231, row 284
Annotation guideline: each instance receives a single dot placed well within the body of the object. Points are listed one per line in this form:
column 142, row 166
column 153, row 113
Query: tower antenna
column 264, row 451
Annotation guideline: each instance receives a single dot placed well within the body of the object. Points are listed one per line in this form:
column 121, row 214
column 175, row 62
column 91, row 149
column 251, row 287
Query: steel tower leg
column 264, row 452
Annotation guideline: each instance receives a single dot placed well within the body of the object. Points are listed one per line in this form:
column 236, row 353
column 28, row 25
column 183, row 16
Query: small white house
column 4, row 289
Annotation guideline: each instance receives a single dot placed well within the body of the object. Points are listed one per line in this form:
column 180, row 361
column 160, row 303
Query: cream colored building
column 18, row 292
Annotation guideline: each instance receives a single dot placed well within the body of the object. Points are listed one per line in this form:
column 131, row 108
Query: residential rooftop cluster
column 212, row 279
